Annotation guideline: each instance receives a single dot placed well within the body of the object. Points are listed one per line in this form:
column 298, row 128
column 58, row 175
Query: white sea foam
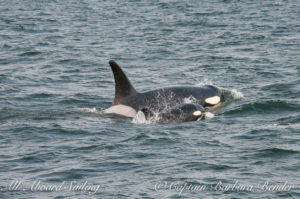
column 139, row 118
column 190, row 99
column 232, row 93
column 88, row 110
column 209, row 115
column 236, row 94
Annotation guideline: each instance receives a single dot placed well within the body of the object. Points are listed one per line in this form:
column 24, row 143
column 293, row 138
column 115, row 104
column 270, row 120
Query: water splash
column 236, row 94
column 209, row 115
column 190, row 99
column 139, row 118
column 231, row 94
column 88, row 110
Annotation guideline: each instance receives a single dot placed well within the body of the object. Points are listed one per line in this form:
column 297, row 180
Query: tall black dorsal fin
column 123, row 87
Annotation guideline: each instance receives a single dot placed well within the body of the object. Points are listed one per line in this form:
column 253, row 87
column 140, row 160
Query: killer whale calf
column 170, row 102
column 180, row 113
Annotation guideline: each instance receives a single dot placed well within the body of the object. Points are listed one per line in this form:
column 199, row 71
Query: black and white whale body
column 180, row 113
column 128, row 101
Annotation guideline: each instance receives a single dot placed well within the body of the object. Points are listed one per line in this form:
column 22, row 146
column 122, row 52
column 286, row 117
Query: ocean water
column 55, row 80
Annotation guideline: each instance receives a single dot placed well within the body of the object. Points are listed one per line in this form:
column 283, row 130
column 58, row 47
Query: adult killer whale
column 128, row 101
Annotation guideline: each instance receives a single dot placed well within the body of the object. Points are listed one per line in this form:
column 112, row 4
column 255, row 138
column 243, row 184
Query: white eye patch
column 197, row 113
column 213, row 100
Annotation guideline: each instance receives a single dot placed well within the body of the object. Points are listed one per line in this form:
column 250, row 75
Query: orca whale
column 167, row 101
column 180, row 113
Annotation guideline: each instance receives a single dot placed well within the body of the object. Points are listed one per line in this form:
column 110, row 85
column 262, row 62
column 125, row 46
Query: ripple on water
column 159, row 141
column 271, row 106
column 289, row 121
column 30, row 53
column 202, row 166
column 274, row 153
column 42, row 95
column 137, row 138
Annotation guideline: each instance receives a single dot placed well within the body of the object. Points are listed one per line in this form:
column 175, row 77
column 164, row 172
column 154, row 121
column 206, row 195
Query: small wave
column 201, row 166
column 160, row 141
column 209, row 115
column 89, row 148
column 236, row 94
column 263, row 107
column 289, row 120
column 88, row 110
column 2, row 78
column 30, row 53
column 41, row 95
column 231, row 94
column 76, row 101
column 276, row 152
column 139, row 137
column 9, row 113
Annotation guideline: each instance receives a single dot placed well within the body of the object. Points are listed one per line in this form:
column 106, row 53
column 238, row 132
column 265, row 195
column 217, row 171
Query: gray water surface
column 55, row 79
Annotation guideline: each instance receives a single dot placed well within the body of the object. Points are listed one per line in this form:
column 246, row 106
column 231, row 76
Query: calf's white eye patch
column 197, row 113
